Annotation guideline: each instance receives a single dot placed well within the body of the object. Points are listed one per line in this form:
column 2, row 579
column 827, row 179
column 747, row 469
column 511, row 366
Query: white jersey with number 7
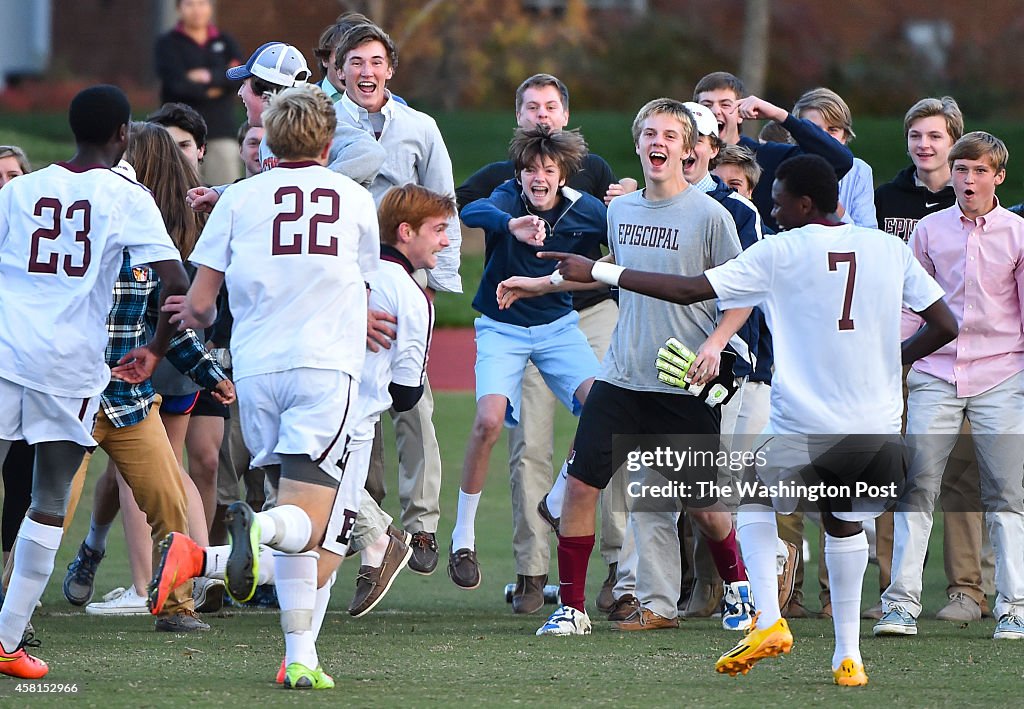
column 295, row 244
column 832, row 297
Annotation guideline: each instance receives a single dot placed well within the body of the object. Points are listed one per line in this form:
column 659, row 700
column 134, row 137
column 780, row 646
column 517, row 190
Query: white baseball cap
column 706, row 122
column 275, row 62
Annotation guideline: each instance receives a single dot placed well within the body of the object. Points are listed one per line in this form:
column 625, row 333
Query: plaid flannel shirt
column 135, row 303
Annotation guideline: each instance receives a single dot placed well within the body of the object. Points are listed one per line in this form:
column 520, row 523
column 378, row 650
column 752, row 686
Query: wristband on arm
column 607, row 273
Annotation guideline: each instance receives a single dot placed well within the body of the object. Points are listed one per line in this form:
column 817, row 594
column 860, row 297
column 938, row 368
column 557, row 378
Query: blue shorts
column 558, row 349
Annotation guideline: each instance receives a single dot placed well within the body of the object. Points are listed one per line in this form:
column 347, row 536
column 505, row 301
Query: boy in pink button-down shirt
column 975, row 250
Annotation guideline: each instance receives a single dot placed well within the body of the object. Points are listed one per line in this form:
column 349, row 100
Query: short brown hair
column 743, row 159
column 773, row 132
column 538, row 81
column 719, row 80
column 410, row 204
column 299, row 122
column 358, row 35
column 830, row 105
column 243, row 130
column 566, row 148
column 979, row 145
column 332, row 34
column 673, row 108
column 946, row 107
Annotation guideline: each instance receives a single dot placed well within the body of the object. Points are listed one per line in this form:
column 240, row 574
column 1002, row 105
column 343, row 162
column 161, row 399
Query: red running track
column 450, row 364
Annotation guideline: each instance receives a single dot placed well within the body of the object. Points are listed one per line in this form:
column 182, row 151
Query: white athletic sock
column 296, row 594
column 286, row 528
column 216, row 561
column 464, row 534
column 557, row 492
column 846, row 559
column 373, row 555
column 323, row 597
column 757, row 532
column 33, row 564
column 97, row 537
column 266, row 571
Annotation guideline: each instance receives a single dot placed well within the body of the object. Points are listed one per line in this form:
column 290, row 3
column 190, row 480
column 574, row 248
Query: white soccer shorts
column 37, row 417
column 297, row 412
column 354, row 466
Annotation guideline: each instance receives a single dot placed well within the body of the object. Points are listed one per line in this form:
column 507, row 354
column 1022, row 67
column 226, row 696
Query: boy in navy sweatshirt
column 521, row 216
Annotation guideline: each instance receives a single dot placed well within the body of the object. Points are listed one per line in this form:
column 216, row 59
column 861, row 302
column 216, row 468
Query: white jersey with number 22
column 295, row 245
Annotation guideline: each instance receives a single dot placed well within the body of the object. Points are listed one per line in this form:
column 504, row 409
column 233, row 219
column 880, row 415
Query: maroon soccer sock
column 727, row 558
column 573, row 556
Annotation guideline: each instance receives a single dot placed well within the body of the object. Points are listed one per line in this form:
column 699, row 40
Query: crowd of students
column 352, row 188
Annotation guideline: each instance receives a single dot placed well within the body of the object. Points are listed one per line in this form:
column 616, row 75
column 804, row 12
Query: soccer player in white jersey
column 413, row 222
column 63, row 230
column 294, row 246
column 846, row 285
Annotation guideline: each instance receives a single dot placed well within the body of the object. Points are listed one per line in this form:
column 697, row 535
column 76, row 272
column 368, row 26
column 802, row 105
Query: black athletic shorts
column 206, row 405
column 860, row 475
column 613, row 416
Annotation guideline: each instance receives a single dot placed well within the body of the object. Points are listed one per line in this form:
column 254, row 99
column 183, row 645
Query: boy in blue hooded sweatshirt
column 533, row 211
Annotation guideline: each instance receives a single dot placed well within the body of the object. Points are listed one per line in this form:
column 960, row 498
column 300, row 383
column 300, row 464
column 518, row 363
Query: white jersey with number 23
column 63, row 232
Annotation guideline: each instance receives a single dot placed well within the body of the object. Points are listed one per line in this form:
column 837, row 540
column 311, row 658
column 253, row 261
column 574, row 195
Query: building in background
column 25, row 31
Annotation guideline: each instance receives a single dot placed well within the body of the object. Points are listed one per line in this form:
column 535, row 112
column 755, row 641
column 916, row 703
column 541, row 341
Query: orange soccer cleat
column 19, row 663
column 181, row 559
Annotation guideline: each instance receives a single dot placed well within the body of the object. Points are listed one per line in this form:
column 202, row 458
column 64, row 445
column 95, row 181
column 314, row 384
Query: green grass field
column 432, row 644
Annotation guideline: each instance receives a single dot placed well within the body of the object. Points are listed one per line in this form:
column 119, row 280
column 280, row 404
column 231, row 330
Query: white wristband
column 607, row 272
column 556, row 278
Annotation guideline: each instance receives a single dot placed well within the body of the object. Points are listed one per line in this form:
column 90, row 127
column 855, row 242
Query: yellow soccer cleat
column 298, row 676
column 850, row 674
column 756, row 645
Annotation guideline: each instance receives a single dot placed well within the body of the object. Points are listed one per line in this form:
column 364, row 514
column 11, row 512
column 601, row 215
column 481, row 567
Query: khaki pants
column 935, row 420
column 221, row 165
column 531, row 453
column 419, row 466
column 146, row 461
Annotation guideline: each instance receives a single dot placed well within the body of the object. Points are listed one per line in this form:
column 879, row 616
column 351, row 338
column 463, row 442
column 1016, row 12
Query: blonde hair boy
column 299, row 123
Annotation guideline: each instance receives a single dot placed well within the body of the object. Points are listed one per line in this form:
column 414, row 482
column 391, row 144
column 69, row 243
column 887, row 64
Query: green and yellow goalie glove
column 674, row 362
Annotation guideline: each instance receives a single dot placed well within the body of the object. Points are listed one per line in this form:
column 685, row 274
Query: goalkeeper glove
column 674, row 362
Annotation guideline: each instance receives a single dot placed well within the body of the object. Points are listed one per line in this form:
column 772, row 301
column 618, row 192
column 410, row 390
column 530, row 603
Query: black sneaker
column 181, row 622
column 79, row 581
column 424, row 553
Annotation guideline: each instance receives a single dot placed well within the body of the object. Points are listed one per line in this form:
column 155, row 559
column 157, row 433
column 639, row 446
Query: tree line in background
column 473, row 53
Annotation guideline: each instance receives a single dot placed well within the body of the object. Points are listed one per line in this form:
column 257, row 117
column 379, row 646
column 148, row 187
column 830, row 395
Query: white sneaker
column 737, row 606
column 208, row 594
column 120, row 601
column 566, row 620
